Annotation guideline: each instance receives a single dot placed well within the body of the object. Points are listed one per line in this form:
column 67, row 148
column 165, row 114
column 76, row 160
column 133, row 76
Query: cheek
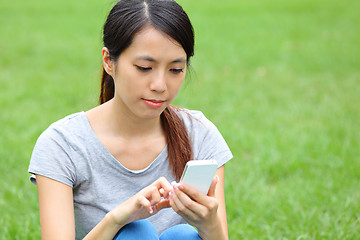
column 175, row 85
column 126, row 81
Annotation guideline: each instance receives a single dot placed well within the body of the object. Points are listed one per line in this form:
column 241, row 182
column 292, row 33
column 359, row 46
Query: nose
column 158, row 83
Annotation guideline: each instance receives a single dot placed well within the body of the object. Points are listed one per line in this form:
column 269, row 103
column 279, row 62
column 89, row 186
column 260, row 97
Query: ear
column 107, row 63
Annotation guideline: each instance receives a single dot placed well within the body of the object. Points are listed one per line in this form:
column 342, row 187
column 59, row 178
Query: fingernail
column 181, row 187
column 151, row 211
column 217, row 178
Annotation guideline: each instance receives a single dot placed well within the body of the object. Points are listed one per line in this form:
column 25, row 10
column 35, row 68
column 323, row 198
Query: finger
column 162, row 183
column 172, row 203
column 186, row 205
column 144, row 202
column 179, row 208
column 212, row 188
column 161, row 205
column 155, row 196
column 164, row 194
column 193, row 193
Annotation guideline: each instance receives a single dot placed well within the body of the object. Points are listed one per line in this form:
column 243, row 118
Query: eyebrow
column 147, row 58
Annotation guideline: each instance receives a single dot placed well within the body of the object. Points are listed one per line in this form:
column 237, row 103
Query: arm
column 57, row 211
column 142, row 205
column 220, row 196
column 206, row 213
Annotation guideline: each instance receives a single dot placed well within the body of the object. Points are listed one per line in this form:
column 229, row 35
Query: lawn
column 280, row 79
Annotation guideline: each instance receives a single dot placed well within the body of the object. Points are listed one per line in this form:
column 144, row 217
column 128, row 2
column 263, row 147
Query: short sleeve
column 208, row 142
column 51, row 158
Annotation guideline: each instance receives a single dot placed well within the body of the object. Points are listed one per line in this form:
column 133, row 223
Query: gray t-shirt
column 70, row 152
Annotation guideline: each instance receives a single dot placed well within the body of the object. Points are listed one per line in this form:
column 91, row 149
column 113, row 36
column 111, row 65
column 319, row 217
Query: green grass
column 280, row 79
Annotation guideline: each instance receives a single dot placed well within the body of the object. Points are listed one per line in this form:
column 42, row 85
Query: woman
column 105, row 173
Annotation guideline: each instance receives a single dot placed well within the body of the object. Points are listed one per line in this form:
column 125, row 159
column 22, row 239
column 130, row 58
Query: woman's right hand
column 145, row 203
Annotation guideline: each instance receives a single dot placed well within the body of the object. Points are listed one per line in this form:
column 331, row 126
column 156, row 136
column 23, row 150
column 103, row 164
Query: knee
column 180, row 232
column 141, row 229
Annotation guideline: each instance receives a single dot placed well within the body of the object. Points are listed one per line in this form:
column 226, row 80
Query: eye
column 176, row 70
column 143, row 69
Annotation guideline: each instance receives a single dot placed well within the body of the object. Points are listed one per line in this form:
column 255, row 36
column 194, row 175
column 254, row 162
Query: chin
column 151, row 114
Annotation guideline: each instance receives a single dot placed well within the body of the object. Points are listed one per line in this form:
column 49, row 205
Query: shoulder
column 61, row 137
column 197, row 124
column 52, row 155
column 67, row 127
column 70, row 121
column 207, row 141
column 194, row 119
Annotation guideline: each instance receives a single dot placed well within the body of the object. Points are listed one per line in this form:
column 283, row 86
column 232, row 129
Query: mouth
column 153, row 103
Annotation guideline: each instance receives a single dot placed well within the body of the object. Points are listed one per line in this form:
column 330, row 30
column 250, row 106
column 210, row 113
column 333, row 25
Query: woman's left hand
column 198, row 209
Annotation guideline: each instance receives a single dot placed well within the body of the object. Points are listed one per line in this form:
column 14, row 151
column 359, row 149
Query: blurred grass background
column 279, row 78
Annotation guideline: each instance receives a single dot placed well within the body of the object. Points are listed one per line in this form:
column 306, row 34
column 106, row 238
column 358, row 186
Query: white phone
column 199, row 174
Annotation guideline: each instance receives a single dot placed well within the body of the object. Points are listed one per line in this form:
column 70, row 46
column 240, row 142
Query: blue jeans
column 144, row 230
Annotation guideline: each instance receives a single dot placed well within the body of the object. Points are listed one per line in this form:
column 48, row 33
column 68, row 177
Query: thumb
column 211, row 192
column 162, row 204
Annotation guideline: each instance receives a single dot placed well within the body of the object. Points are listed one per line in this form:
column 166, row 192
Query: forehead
column 155, row 44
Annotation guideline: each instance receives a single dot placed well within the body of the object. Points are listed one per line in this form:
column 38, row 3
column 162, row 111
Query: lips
column 153, row 103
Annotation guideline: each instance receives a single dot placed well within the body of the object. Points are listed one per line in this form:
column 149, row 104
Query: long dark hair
column 127, row 18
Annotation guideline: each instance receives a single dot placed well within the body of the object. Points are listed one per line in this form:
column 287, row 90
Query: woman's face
column 148, row 74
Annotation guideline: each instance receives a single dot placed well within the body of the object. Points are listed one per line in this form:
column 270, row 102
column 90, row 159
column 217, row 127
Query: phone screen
column 199, row 174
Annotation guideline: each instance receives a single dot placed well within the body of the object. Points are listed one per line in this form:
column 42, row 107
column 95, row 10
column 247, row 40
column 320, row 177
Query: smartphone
column 199, row 174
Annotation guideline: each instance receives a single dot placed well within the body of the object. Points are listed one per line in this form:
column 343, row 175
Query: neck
column 123, row 123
